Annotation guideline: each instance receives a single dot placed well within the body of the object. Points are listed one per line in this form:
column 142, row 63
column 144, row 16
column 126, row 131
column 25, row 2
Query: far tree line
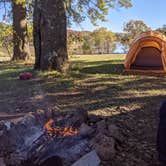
column 99, row 41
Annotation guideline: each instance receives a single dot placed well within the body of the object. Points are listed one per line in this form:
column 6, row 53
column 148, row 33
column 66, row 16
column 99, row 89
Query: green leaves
column 162, row 29
column 104, row 39
column 125, row 3
column 78, row 10
column 5, row 34
column 131, row 29
column 135, row 27
column 6, row 39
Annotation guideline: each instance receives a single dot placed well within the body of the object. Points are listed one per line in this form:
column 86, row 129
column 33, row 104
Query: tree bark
column 50, row 35
column 21, row 50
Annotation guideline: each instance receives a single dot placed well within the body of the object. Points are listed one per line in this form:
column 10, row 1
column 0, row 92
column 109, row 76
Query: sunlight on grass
column 98, row 64
column 49, row 73
column 92, row 58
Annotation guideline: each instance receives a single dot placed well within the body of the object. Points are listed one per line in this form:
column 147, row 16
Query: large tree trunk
column 50, row 34
column 21, row 50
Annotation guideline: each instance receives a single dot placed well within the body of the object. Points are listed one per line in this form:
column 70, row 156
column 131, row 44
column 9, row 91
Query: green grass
column 93, row 82
column 97, row 82
column 99, row 64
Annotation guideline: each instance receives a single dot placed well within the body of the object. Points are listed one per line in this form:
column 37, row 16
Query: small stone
column 104, row 146
column 40, row 112
column 7, row 125
column 18, row 109
column 90, row 159
column 106, row 150
column 40, row 115
column 85, row 130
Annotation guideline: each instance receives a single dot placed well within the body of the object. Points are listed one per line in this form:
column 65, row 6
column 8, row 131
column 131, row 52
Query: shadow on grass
column 100, row 91
column 101, row 67
column 104, row 69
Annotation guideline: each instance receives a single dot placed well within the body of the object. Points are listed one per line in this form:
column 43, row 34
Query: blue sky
column 152, row 12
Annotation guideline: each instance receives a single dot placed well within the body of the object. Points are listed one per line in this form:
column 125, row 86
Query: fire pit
column 42, row 138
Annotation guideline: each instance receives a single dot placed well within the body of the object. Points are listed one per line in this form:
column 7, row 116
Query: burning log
column 57, row 131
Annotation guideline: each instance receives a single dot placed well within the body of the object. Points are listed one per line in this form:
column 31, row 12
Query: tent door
column 148, row 58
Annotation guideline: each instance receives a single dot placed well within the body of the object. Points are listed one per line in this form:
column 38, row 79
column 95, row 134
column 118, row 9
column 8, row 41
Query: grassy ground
column 96, row 83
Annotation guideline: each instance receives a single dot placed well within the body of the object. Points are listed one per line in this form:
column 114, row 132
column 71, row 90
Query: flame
column 57, row 131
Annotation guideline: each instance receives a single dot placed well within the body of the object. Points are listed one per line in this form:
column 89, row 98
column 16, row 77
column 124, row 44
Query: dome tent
column 147, row 53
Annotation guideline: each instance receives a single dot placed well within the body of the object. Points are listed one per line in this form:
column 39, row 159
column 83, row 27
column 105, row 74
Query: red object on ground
column 25, row 76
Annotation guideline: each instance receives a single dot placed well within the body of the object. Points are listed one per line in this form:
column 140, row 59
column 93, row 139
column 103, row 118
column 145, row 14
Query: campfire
column 68, row 137
column 58, row 131
column 37, row 138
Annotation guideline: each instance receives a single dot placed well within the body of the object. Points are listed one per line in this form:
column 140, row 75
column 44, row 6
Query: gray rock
column 104, row 146
column 90, row 159
column 7, row 125
column 106, row 150
column 85, row 130
column 40, row 115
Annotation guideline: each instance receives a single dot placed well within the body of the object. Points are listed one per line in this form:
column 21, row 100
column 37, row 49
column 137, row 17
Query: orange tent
column 147, row 53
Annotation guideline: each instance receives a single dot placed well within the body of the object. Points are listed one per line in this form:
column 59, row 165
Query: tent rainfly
column 147, row 53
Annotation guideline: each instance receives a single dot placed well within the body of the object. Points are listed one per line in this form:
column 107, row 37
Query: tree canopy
column 131, row 30
column 78, row 10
